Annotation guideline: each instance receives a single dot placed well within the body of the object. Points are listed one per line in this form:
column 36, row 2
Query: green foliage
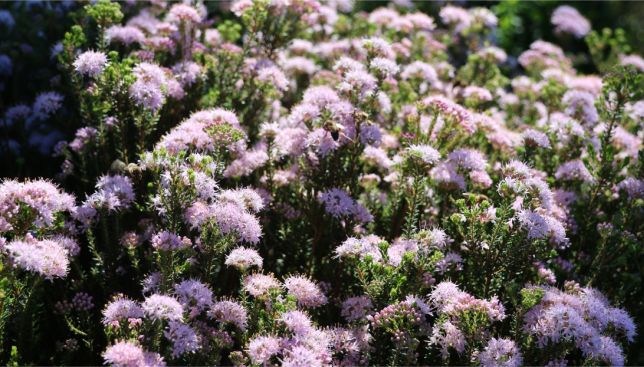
column 521, row 22
column 14, row 358
column 105, row 12
column 530, row 297
column 230, row 31
column 481, row 71
column 606, row 47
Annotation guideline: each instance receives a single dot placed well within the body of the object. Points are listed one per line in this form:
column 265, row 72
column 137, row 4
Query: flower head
column 229, row 312
column 502, row 353
column 305, row 291
column 168, row 241
column 128, row 354
column 243, row 258
column 184, row 339
column 193, row 294
column 42, row 198
column 262, row 348
column 160, row 307
column 121, row 309
column 258, row 285
column 46, row 104
column 567, row 19
column 45, row 257
column 90, row 63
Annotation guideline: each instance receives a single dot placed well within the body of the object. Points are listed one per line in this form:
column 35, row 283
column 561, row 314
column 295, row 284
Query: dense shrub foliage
column 300, row 183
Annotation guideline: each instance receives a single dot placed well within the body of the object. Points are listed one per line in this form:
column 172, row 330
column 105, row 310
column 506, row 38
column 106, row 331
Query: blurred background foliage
column 522, row 22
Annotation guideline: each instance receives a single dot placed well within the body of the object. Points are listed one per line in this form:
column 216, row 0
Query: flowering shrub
column 297, row 183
